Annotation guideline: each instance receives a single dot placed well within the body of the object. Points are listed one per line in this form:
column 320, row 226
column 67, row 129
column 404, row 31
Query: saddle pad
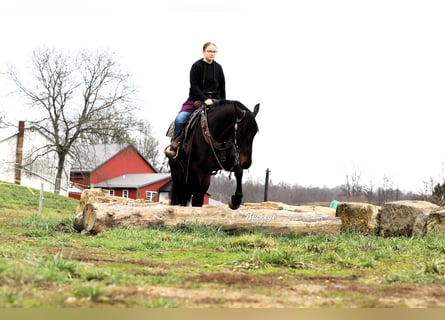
column 170, row 129
column 192, row 121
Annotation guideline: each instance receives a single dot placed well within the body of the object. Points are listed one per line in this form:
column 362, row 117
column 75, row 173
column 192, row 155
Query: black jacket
column 207, row 81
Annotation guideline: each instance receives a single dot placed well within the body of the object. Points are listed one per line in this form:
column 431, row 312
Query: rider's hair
column 204, row 47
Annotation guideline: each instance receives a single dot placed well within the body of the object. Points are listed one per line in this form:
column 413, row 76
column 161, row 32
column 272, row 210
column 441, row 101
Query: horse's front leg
column 179, row 195
column 201, row 188
column 236, row 199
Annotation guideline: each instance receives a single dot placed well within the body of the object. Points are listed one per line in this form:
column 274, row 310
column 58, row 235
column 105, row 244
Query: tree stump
column 358, row 217
column 405, row 218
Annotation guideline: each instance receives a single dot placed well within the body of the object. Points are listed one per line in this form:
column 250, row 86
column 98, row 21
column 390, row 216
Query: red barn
column 122, row 170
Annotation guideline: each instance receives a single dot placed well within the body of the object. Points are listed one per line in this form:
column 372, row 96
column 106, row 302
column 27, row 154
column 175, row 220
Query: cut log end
column 89, row 217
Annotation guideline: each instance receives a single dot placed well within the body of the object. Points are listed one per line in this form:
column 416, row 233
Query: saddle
column 198, row 106
column 191, row 122
column 199, row 116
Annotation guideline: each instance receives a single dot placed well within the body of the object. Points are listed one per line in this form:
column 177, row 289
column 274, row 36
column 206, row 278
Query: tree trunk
column 60, row 168
column 99, row 217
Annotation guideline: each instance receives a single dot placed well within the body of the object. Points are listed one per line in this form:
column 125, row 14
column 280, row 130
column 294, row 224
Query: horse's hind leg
column 236, row 199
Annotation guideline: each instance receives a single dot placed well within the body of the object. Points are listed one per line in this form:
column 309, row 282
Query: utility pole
column 266, row 185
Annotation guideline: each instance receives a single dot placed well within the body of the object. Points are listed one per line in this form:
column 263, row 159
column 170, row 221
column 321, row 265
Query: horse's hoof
column 234, row 203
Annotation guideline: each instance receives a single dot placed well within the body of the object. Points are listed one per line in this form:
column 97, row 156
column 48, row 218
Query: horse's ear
column 256, row 109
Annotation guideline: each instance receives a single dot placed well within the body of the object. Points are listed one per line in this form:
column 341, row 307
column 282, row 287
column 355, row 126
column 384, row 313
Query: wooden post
column 41, row 198
column 19, row 153
column 266, row 185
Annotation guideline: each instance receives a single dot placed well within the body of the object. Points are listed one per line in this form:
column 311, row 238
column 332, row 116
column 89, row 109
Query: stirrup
column 169, row 152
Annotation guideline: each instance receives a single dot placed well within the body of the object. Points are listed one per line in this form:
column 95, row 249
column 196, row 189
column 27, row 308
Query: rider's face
column 210, row 53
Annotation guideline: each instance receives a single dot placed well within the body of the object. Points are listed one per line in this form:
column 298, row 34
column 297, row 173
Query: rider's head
column 209, row 51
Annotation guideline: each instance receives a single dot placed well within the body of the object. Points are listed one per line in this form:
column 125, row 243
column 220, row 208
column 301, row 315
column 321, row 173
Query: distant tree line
column 222, row 188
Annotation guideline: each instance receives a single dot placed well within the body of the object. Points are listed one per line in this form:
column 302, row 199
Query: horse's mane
column 249, row 115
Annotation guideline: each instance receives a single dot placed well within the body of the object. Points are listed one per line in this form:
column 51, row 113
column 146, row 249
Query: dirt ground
column 235, row 289
column 238, row 289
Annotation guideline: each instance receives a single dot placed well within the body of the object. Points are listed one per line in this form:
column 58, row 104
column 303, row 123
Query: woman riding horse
column 220, row 137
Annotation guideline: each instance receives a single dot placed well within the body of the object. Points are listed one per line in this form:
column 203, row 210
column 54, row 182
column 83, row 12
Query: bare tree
column 369, row 192
column 76, row 97
column 385, row 192
column 353, row 189
column 428, row 189
column 142, row 139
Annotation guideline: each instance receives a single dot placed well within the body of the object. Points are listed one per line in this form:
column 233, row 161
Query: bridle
column 222, row 147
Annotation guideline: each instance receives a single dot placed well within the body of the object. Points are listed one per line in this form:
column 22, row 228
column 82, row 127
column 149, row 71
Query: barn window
column 111, row 192
column 125, row 193
column 150, row 196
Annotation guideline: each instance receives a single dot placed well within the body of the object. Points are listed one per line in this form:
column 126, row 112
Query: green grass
column 44, row 266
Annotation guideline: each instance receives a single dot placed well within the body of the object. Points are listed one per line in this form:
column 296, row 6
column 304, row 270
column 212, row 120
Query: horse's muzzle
column 245, row 161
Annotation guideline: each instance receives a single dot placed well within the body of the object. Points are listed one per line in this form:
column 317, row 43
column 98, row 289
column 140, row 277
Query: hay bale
column 405, row 218
column 436, row 222
column 90, row 195
column 98, row 195
column 103, row 196
column 358, row 217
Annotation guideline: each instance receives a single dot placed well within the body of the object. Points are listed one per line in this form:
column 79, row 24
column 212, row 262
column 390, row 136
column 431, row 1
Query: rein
column 221, row 146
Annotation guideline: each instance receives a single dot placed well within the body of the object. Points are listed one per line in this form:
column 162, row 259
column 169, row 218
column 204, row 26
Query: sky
column 345, row 87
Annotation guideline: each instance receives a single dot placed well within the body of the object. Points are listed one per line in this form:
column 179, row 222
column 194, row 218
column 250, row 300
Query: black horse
column 219, row 137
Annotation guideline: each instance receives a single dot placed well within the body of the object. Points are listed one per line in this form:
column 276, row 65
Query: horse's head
column 246, row 131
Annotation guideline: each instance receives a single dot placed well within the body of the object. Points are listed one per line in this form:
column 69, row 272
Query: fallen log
column 283, row 206
column 99, row 217
column 405, row 218
column 358, row 217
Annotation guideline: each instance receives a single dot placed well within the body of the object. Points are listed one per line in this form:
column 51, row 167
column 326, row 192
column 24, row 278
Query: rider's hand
column 208, row 102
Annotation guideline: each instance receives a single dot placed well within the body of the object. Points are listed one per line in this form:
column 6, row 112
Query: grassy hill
column 44, row 263
column 15, row 199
